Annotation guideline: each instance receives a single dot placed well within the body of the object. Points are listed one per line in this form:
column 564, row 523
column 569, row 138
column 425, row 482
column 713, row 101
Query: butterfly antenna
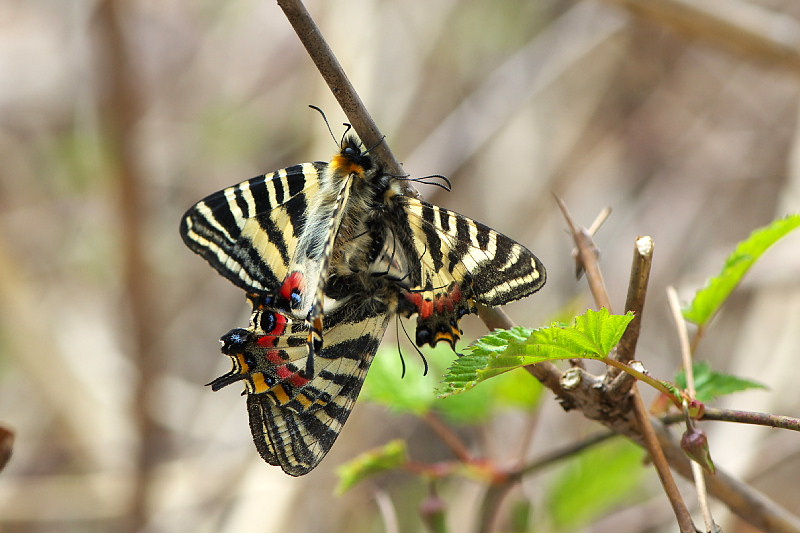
column 321, row 112
column 430, row 180
column 399, row 351
column 421, row 355
column 371, row 148
column 347, row 127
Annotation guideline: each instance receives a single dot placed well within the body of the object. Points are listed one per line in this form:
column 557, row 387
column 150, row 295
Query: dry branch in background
column 738, row 25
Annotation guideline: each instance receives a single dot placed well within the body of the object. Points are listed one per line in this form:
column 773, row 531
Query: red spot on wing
column 279, row 323
column 267, row 341
column 297, row 380
column 456, row 295
column 441, row 303
column 294, row 378
column 294, row 283
column 276, row 357
column 426, row 309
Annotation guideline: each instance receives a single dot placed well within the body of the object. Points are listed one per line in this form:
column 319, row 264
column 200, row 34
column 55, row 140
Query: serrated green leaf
column 596, row 481
column 513, row 390
column 708, row 300
column 392, row 455
column 592, row 335
column 710, row 385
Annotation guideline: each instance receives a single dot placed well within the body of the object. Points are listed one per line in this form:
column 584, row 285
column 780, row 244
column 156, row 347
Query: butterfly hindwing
column 295, row 421
column 456, row 262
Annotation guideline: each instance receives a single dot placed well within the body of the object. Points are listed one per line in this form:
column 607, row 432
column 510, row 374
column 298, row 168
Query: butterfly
column 330, row 252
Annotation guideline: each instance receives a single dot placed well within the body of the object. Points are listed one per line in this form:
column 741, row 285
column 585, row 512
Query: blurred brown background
column 116, row 116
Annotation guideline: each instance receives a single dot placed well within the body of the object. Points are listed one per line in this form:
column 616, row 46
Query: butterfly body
column 327, row 254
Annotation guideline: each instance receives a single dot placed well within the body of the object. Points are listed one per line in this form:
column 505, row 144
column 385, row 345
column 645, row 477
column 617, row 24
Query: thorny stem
column 587, row 252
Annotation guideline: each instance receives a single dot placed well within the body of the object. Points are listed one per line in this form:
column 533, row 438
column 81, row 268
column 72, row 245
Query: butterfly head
column 351, row 159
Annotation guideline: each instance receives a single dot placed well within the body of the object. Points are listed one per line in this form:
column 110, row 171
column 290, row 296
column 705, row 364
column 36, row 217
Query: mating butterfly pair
column 327, row 253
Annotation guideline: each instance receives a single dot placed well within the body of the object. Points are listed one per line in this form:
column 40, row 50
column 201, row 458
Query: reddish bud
column 695, row 444
column 432, row 511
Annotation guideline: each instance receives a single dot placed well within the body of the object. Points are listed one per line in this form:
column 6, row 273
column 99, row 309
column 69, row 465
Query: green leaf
column 708, row 300
column 597, row 480
column 592, row 335
column 513, row 390
column 391, row 456
column 710, row 384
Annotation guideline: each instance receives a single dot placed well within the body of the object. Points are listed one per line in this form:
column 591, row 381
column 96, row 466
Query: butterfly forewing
column 249, row 232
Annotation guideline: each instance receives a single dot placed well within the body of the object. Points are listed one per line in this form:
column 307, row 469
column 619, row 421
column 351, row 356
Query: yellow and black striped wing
column 295, row 421
column 249, row 232
column 459, row 262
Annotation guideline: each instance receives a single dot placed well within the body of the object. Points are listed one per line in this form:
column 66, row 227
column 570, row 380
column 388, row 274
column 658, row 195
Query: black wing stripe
column 259, row 193
column 434, row 243
column 461, row 248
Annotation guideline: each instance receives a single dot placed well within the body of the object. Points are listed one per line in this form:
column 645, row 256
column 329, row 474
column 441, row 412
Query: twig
column 637, row 290
column 587, row 253
column 328, row 65
column 752, row 417
column 685, row 522
column 620, row 384
column 599, row 220
column 388, row 512
column 683, row 338
column 686, row 356
column 447, row 435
